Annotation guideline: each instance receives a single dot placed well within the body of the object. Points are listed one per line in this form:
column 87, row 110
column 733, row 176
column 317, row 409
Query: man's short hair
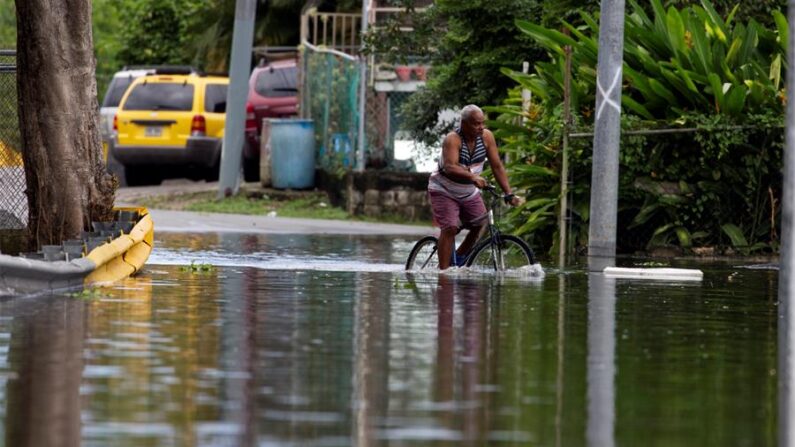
column 468, row 111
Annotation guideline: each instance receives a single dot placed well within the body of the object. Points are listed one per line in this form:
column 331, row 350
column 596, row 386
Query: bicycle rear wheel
column 513, row 253
column 423, row 255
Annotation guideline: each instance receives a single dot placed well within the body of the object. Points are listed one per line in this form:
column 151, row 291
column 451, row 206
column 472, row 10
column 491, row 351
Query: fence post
column 362, row 92
column 527, row 95
column 604, row 175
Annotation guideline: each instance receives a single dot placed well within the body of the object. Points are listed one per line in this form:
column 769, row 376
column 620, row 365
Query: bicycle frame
column 494, row 232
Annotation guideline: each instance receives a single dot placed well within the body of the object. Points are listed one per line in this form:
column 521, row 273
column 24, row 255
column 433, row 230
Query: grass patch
column 89, row 294
column 197, row 268
column 312, row 206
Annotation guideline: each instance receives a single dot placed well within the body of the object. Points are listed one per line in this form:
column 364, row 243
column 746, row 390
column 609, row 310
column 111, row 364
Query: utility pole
column 360, row 161
column 607, row 133
column 239, row 68
column 786, row 279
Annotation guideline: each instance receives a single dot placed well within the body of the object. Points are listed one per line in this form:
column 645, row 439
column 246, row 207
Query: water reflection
column 267, row 357
column 601, row 360
column 43, row 403
column 786, row 349
column 285, row 252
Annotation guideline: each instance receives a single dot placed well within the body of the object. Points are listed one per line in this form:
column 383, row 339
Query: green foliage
column 155, row 31
column 211, row 29
column 107, row 21
column 674, row 62
column 199, row 32
column 332, row 102
column 197, row 268
column 8, row 24
column 106, row 17
column 759, row 10
column 687, row 68
column 89, row 294
column 466, row 43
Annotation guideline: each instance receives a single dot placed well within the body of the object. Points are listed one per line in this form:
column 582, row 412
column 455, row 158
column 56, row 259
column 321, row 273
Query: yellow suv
column 168, row 120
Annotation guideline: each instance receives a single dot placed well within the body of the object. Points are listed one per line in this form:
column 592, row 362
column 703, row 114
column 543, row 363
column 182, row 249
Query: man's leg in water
column 445, row 246
column 474, row 215
column 471, row 238
column 445, row 212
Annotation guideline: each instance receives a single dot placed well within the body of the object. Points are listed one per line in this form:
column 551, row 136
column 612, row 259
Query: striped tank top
column 473, row 159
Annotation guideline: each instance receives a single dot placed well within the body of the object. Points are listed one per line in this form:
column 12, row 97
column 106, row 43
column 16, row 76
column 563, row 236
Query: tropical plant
column 687, row 68
column 466, row 44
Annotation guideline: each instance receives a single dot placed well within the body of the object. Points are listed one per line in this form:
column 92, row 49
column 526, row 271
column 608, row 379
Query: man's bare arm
column 493, row 154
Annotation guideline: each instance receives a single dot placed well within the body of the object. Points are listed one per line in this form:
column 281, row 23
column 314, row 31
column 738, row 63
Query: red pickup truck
column 272, row 93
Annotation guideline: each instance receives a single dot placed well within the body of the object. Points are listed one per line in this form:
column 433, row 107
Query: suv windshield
column 160, row 96
column 277, row 82
column 116, row 90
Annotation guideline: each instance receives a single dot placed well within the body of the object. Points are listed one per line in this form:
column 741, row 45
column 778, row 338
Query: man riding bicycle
column 453, row 187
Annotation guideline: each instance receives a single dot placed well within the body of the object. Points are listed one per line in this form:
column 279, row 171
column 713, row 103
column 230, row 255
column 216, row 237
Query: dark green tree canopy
column 466, row 44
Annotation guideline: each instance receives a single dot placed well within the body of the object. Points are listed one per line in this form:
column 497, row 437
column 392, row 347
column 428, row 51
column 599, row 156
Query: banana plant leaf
column 684, row 237
column 735, row 234
column 783, row 30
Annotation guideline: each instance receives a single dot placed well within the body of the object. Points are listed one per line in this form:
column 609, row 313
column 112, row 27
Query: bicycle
column 496, row 250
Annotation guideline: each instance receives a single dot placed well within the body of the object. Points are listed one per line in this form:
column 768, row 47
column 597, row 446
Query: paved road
column 187, row 222
column 190, row 222
column 129, row 195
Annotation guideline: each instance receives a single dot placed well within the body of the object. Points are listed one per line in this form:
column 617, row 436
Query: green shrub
column 687, row 68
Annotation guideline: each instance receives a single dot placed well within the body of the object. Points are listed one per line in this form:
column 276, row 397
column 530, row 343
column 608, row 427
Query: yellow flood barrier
column 124, row 255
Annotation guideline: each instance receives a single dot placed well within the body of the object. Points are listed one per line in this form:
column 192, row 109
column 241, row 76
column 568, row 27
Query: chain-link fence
column 13, row 201
column 330, row 97
column 384, row 126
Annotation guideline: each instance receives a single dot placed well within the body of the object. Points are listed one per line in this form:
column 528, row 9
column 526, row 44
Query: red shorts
column 451, row 213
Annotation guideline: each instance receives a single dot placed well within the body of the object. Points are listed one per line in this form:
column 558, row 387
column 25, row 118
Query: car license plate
column 153, row 131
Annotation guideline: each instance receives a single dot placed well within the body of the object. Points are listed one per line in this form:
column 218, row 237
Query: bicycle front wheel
column 423, row 255
column 512, row 253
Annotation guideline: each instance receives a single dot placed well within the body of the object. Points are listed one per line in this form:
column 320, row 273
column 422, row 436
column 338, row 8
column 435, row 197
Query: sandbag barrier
column 113, row 251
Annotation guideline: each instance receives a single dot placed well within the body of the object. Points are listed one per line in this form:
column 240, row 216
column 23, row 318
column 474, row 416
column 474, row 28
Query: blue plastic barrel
column 292, row 153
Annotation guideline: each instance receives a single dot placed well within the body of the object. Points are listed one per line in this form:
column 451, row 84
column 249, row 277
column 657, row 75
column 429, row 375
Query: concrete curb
column 31, row 275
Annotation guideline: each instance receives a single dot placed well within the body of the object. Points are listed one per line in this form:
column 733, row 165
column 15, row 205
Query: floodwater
column 325, row 341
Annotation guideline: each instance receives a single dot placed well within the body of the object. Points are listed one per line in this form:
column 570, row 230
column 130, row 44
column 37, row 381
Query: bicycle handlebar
column 493, row 190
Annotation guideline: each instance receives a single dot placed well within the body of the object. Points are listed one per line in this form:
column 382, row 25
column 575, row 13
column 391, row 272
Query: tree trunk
column 67, row 183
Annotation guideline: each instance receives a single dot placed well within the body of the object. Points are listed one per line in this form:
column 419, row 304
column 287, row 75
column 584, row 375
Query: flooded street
column 303, row 340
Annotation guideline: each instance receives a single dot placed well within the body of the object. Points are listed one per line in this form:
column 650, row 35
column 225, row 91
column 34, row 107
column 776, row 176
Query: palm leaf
column 684, row 237
column 636, row 107
column 643, row 216
column 735, row 234
column 717, row 91
column 735, row 99
column 783, row 30
column 551, row 39
column 717, row 24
